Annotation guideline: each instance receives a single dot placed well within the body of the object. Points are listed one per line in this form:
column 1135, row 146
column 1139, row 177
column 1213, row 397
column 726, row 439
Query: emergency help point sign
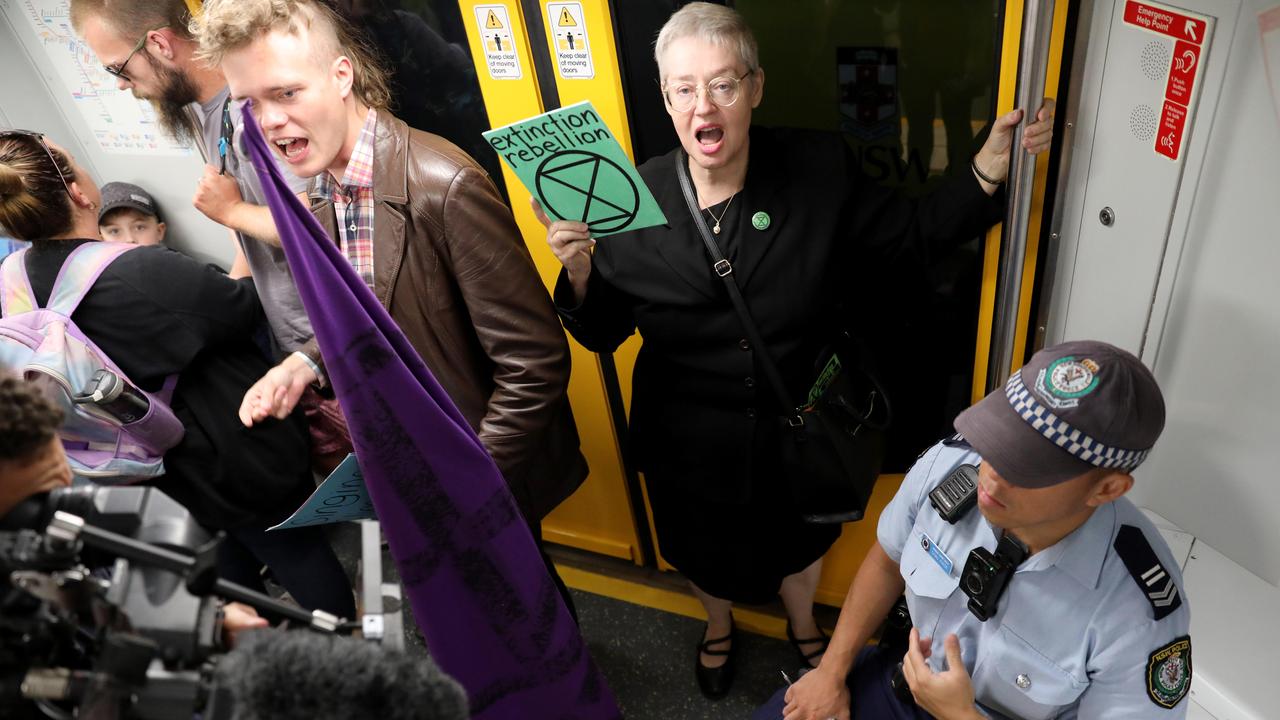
column 1157, row 18
column 1188, row 34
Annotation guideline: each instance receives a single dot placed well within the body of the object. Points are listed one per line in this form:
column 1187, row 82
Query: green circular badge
column 760, row 220
column 1071, row 378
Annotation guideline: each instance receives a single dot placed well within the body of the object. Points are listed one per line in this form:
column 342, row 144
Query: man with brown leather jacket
column 425, row 227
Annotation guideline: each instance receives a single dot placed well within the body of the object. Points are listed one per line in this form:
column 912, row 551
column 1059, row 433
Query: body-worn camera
column 987, row 574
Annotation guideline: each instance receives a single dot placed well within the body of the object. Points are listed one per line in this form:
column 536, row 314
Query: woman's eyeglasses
column 722, row 91
column 47, row 151
column 117, row 70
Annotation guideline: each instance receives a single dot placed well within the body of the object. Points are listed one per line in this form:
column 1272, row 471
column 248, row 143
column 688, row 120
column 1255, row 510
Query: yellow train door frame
column 506, row 40
column 606, row 515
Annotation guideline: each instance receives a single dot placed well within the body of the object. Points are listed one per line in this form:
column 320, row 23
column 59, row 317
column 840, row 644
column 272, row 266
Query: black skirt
column 736, row 550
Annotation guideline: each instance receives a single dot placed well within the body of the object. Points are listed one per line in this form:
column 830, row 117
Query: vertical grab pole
column 1033, row 60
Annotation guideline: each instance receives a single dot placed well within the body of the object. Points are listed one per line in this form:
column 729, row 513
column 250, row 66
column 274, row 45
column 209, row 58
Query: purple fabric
column 487, row 608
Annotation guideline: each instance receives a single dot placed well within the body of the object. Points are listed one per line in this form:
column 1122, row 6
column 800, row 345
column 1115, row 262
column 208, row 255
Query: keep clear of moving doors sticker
column 1189, row 34
column 569, row 30
column 498, row 41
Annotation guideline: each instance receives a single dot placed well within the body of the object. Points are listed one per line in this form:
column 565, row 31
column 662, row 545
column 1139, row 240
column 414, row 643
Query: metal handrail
column 1033, row 61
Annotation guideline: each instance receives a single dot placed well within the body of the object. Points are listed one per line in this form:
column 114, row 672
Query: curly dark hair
column 28, row 420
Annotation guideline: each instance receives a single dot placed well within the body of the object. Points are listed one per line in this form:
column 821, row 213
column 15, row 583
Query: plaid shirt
column 353, row 201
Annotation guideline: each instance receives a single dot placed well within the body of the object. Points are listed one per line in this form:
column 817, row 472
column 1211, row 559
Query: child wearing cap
column 129, row 214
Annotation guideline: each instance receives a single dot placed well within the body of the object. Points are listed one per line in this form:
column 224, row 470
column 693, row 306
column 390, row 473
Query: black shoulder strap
column 724, row 269
column 1147, row 570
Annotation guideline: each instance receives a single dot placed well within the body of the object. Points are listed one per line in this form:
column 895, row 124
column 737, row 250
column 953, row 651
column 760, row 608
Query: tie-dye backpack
column 113, row 431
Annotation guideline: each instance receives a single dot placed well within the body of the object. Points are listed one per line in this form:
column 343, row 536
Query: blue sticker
column 936, row 553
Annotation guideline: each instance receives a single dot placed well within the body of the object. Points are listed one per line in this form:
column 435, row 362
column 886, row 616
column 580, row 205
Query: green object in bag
column 828, row 374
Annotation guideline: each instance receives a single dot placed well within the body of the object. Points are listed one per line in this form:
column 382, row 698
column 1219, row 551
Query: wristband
column 981, row 175
column 321, row 381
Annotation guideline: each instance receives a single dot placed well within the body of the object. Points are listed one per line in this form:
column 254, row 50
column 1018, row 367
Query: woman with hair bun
column 157, row 313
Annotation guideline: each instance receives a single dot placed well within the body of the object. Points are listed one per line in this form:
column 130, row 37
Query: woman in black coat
column 157, row 313
column 800, row 224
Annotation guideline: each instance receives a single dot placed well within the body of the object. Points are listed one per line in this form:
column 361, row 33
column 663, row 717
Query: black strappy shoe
column 714, row 682
column 798, row 642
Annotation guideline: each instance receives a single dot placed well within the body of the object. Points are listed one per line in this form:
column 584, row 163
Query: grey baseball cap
column 116, row 195
column 1072, row 408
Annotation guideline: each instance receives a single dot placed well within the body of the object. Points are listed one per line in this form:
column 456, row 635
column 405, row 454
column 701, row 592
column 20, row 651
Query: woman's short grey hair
column 715, row 24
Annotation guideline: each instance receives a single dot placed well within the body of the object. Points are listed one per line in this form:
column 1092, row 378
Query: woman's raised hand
column 571, row 243
column 994, row 157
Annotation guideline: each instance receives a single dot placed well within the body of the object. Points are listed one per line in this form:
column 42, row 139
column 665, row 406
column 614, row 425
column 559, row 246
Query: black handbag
column 831, row 445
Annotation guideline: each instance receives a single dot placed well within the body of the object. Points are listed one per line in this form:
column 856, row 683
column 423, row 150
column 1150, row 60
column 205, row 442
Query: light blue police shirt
column 1074, row 635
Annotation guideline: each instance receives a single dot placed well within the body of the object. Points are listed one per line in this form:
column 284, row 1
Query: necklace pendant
column 716, row 229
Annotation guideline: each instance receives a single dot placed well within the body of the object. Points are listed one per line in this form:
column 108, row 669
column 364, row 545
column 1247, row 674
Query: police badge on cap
column 1072, row 408
column 1066, row 380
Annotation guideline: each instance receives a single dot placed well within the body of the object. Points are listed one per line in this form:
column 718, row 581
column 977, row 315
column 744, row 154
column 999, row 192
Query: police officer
column 1083, row 603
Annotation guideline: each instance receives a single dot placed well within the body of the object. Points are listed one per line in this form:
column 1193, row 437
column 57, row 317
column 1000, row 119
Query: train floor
column 642, row 627
column 651, row 671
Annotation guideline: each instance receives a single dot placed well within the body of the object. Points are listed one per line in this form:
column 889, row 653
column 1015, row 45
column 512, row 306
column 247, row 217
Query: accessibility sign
column 569, row 35
column 498, row 42
column 1190, row 40
column 576, row 169
column 1182, row 76
column 1172, row 129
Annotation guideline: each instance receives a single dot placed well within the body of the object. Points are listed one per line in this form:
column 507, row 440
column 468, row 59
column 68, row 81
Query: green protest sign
column 572, row 164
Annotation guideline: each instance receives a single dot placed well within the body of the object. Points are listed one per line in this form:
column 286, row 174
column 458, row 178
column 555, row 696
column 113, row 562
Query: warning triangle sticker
column 566, row 18
column 492, row 22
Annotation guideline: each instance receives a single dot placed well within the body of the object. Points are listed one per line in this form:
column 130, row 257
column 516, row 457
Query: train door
column 910, row 84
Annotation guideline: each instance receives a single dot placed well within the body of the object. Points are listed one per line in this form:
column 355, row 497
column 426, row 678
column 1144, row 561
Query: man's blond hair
column 224, row 26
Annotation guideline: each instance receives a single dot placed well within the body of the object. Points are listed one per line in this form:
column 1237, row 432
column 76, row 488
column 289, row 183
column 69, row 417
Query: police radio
column 986, row 575
column 957, row 494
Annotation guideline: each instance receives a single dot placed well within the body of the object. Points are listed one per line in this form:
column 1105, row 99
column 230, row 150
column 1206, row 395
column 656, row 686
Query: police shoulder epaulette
column 957, row 440
column 1153, row 579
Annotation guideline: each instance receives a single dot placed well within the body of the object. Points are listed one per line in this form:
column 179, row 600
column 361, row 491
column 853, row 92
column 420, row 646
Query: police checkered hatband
column 1062, row 434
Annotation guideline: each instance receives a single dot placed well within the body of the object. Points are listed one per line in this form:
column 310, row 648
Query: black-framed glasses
column 118, row 69
column 723, row 91
column 39, row 136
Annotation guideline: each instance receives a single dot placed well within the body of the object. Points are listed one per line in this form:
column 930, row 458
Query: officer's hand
column 571, row 243
column 277, row 393
column 993, row 158
column 945, row 695
column 817, row 695
column 217, row 196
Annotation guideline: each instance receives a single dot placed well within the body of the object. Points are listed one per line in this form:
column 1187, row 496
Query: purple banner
column 480, row 593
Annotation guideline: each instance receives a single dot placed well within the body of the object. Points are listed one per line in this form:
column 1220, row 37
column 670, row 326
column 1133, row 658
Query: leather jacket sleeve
column 514, row 320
